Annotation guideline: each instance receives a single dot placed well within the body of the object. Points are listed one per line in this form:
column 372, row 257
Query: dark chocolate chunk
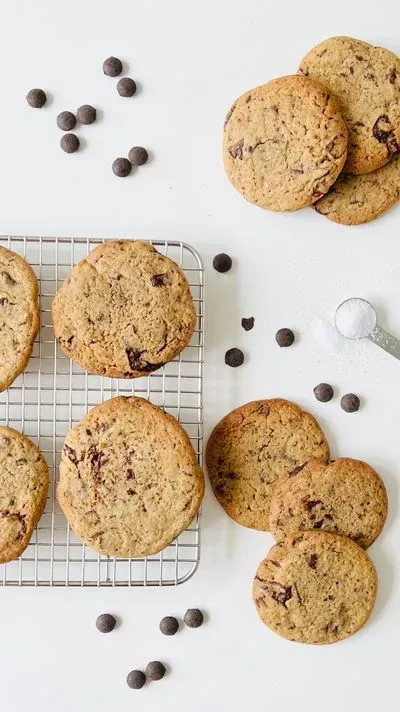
column 193, row 618
column 136, row 679
column 121, row 167
column 323, row 392
column 136, row 363
column 169, row 625
column 138, row 156
column 71, row 454
column 392, row 75
column 309, row 504
column 248, row 323
column 350, row 402
column 66, row 121
column 160, row 280
column 86, row 114
column 284, row 337
column 69, row 143
column 281, row 594
column 236, row 150
column 222, row 262
column 155, row 670
column 312, row 561
column 382, row 130
column 234, row 357
column 126, row 87
column 36, row 98
column 112, row 67
column 105, row 623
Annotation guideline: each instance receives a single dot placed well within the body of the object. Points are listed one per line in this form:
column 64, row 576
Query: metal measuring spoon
column 369, row 328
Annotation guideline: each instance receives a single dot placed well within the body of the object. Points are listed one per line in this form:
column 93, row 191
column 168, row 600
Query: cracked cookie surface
column 354, row 200
column 344, row 497
column 252, row 447
column 315, row 587
column 366, row 83
column 285, row 143
column 124, row 310
column 129, row 478
column 24, row 482
column 19, row 315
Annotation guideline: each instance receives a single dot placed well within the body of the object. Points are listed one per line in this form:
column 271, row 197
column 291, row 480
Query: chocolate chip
column 96, row 458
column 392, row 75
column 248, row 323
column 121, row 167
column 350, row 402
column 3, row 301
column 281, row 594
column 382, row 130
column 284, row 337
column 138, row 156
column 193, row 618
column 136, row 679
column 105, row 623
column 69, row 143
column 236, row 150
column 309, row 504
column 86, row 114
column 323, row 392
column 234, row 357
column 36, row 98
column 160, row 280
column 71, row 454
column 312, row 561
column 66, row 121
column 155, row 670
column 222, row 262
column 112, row 67
column 169, row 625
column 126, row 87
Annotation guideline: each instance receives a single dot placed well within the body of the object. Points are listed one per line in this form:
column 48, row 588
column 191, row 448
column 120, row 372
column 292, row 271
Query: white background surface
column 192, row 60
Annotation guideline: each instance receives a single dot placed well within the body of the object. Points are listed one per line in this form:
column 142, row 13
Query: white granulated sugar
column 355, row 318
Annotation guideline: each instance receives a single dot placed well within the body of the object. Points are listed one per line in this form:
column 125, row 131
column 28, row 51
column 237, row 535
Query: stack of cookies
column 269, row 467
column 328, row 136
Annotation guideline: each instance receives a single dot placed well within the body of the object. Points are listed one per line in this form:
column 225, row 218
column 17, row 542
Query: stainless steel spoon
column 373, row 331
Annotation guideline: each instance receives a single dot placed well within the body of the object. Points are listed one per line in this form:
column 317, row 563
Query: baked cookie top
column 124, row 310
column 24, row 482
column 344, row 497
column 354, row 200
column 129, row 478
column 252, row 447
column 366, row 82
column 19, row 315
column 284, row 143
column 315, row 587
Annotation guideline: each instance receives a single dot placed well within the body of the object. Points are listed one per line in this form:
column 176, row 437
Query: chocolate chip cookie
column 124, row 311
column 285, row 143
column 315, row 587
column 366, row 82
column 129, row 478
column 354, row 200
column 344, row 497
column 24, row 482
column 252, row 447
column 19, row 315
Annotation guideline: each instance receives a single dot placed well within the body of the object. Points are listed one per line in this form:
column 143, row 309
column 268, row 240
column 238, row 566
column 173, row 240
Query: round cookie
column 354, row 200
column 129, row 478
column 344, row 497
column 124, row 311
column 19, row 315
column 366, row 82
column 284, row 143
column 254, row 445
column 24, row 482
column 315, row 587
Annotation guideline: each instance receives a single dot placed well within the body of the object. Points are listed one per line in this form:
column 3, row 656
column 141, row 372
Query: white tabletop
column 289, row 270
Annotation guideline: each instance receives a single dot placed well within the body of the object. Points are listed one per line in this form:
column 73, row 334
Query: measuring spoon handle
column 386, row 341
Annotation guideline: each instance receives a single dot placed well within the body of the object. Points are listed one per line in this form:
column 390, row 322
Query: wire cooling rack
column 54, row 393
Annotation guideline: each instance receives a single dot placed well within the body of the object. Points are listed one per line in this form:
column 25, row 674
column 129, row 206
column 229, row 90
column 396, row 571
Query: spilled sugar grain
column 345, row 352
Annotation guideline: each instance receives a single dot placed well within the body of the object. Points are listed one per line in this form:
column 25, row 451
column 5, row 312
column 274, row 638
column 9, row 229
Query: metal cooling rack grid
column 54, row 393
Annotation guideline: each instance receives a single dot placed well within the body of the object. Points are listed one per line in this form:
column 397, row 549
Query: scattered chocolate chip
column 138, row 156
column 71, row 454
column 323, row 392
column 86, row 114
column 69, row 143
column 312, row 561
column 160, row 280
column 392, row 75
column 284, row 337
column 350, row 403
column 236, row 150
column 105, row 623
column 248, row 323
column 112, row 67
column 155, row 670
column 136, row 679
column 222, row 262
column 382, row 130
column 121, row 167
column 66, row 121
column 169, row 625
column 234, row 357
column 193, row 618
column 126, row 87
column 36, row 98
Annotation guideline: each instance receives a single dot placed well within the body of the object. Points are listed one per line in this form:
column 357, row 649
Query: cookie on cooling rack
column 19, row 315
column 24, row 481
column 124, row 311
column 129, row 478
